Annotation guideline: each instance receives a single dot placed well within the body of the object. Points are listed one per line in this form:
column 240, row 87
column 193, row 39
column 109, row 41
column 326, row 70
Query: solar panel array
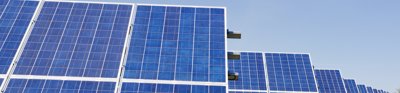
column 351, row 86
column 362, row 89
column 370, row 90
column 15, row 18
column 170, row 88
column 330, row 81
column 250, row 67
column 245, row 92
column 290, row 72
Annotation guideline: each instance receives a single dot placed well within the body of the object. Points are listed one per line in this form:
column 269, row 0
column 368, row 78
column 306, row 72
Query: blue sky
column 359, row 37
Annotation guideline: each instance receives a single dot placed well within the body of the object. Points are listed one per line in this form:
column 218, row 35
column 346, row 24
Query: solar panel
column 330, row 81
column 362, row 89
column 245, row 92
column 58, row 86
column 370, row 90
column 170, row 88
column 250, row 68
column 177, row 43
column 76, row 39
column 351, row 86
column 15, row 16
column 375, row 90
column 290, row 72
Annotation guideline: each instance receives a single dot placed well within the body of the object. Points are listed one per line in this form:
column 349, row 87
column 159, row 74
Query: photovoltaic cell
column 169, row 88
column 351, row 86
column 76, row 39
column 330, row 81
column 362, row 89
column 15, row 16
column 250, row 68
column 58, row 86
column 177, row 43
column 375, row 90
column 370, row 90
column 290, row 72
column 245, row 92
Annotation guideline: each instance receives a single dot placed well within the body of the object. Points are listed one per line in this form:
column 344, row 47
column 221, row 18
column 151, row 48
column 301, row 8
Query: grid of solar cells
column 245, row 92
column 169, row 88
column 330, row 81
column 362, row 89
column 177, row 43
column 250, row 67
column 370, row 90
column 15, row 16
column 58, row 86
column 290, row 72
column 76, row 39
column 375, row 90
column 351, row 86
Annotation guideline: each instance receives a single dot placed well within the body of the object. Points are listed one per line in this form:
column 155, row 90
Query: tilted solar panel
column 362, row 89
column 370, row 90
column 290, row 72
column 351, row 86
column 58, row 86
column 177, row 43
column 250, row 68
column 76, row 39
column 169, row 88
column 15, row 17
column 245, row 92
column 330, row 81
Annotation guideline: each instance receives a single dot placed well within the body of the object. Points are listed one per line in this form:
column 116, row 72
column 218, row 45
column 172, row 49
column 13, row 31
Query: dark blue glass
column 330, row 81
column 250, row 67
column 169, row 88
column 351, row 86
column 362, row 89
column 15, row 18
column 76, row 39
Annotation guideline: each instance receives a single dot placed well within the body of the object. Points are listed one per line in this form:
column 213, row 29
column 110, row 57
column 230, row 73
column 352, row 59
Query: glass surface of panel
column 58, row 86
column 76, row 39
column 250, row 68
column 244, row 92
column 330, row 81
column 177, row 43
column 362, row 89
column 370, row 90
column 290, row 72
column 15, row 17
column 169, row 88
column 351, row 86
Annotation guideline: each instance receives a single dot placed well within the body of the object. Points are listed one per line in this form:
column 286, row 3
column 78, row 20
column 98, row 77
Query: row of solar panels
column 55, row 46
column 287, row 72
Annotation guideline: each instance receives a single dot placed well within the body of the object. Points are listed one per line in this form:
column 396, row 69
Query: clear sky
column 359, row 37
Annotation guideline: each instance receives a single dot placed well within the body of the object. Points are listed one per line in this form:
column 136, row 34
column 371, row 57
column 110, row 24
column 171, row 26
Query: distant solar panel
column 15, row 16
column 370, row 90
column 330, row 81
column 290, row 72
column 76, row 39
column 177, row 43
column 58, row 86
column 245, row 92
column 250, row 68
column 169, row 88
column 351, row 86
column 362, row 89
column 375, row 90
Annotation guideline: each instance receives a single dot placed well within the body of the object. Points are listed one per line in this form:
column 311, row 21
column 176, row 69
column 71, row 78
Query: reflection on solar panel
column 250, row 68
column 76, row 39
column 330, row 81
column 58, row 86
column 170, row 88
column 362, row 89
column 351, row 86
column 370, row 90
column 290, row 72
column 177, row 43
column 15, row 16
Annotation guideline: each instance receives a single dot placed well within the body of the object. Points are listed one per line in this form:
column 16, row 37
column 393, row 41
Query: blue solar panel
column 245, row 92
column 362, row 89
column 58, row 86
column 375, row 90
column 169, row 88
column 250, row 68
column 330, row 81
column 370, row 90
column 351, row 86
column 15, row 16
column 290, row 72
column 76, row 39
column 177, row 43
